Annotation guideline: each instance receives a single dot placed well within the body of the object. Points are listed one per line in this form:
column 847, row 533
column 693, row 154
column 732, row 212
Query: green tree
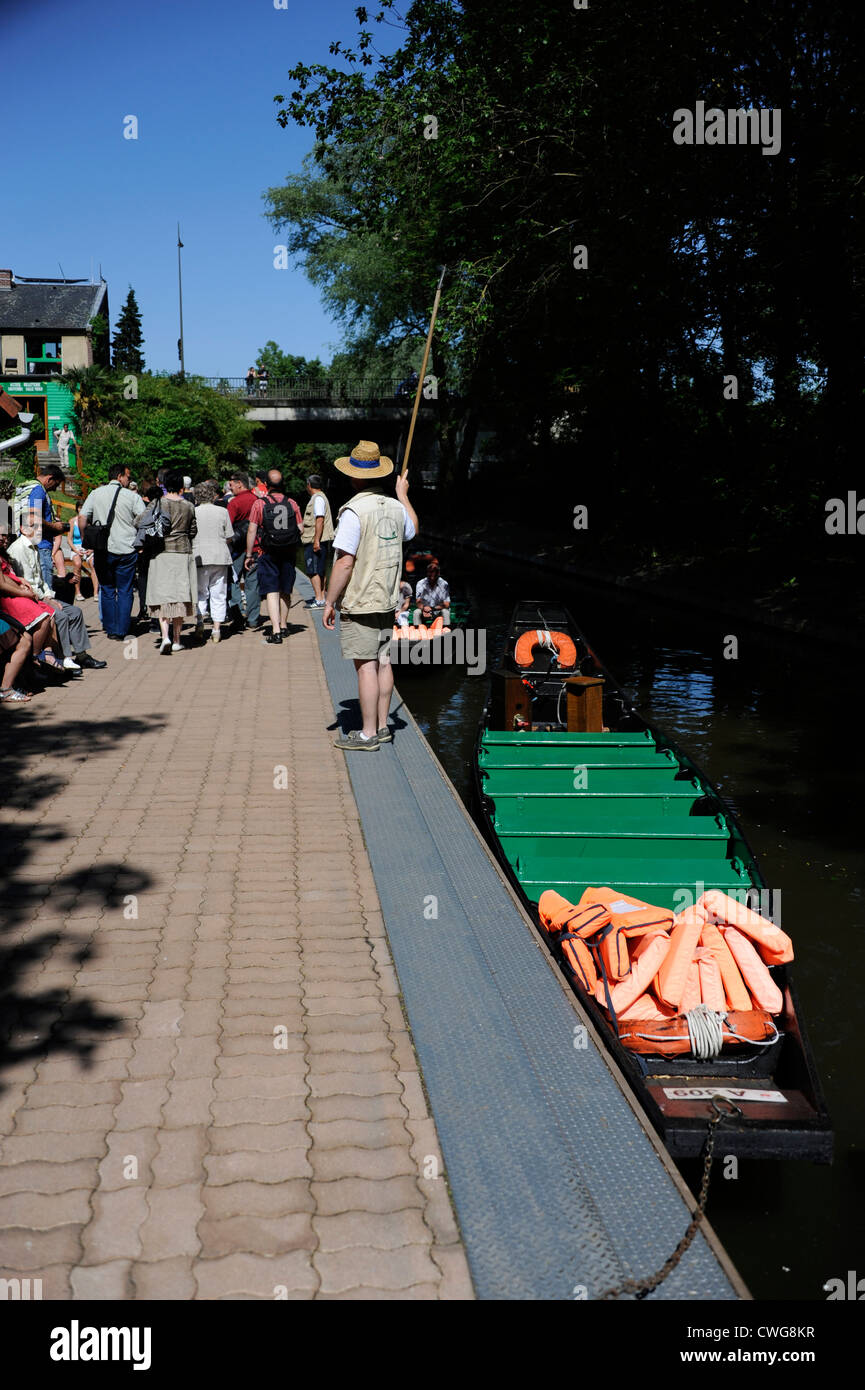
column 128, row 341
column 169, row 422
column 296, row 462
column 286, row 367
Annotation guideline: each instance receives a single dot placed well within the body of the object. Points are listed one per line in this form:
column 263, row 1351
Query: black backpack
column 279, row 528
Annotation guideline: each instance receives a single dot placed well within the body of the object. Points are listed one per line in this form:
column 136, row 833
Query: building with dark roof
column 45, row 329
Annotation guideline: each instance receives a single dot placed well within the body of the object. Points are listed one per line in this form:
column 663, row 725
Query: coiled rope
column 706, row 1031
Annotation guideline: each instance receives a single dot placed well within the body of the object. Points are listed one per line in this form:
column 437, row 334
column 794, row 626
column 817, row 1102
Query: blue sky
column 200, row 75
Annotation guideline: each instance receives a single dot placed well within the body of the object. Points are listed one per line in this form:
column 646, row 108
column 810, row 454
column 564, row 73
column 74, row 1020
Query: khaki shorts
column 365, row 636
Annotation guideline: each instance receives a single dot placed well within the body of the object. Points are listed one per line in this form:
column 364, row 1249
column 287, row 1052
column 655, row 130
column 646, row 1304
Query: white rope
column 706, row 1035
column 706, row 1031
column 753, row 1042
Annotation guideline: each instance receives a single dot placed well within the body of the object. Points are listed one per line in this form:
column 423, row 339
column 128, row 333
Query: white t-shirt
column 319, row 506
column 347, row 536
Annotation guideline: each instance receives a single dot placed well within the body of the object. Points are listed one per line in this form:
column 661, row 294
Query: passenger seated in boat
column 401, row 617
column 432, row 597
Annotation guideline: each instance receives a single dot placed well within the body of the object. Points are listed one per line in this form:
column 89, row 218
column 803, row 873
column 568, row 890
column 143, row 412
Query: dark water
column 777, row 731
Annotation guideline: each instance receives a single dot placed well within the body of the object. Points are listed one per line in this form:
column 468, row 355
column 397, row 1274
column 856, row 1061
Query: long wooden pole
column 417, row 394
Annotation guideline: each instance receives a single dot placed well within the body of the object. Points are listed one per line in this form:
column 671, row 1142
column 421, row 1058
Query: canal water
column 769, row 729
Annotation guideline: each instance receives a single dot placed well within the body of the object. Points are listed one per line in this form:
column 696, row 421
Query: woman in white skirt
column 212, row 556
column 172, row 583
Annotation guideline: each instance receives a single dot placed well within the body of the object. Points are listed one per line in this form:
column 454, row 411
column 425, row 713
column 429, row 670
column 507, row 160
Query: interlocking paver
column 170, row 1228
column 106, row 1282
column 43, row 1211
column 114, row 1232
column 258, row 1235
column 383, row 1269
column 379, row 1230
column 165, row 1279
column 349, row 1161
column 258, row 1166
column 26, row 1250
column 257, row 1275
column 258, row 1199
column 250, row 1123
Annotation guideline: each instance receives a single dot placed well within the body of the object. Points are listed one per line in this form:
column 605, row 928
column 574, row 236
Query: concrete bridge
column 330, row 411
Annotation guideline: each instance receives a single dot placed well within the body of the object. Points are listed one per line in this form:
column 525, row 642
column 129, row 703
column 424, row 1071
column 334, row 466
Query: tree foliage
column 286, row 366
column 128, row 341
column 168, row 422
column 701, row 263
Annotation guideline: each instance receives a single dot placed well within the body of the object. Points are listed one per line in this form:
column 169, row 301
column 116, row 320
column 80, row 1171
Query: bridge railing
column 314, row 391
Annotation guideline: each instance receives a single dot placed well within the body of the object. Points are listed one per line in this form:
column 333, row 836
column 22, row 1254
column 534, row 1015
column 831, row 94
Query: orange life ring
column 669, row 1037
column 524, row 650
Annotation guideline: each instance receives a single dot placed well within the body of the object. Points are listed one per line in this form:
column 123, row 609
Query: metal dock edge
column 559, row 1183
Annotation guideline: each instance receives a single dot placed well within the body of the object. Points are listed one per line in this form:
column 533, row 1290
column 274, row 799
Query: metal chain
column 640, row 1288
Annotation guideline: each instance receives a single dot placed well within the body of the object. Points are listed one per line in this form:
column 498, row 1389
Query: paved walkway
column 207, row 1086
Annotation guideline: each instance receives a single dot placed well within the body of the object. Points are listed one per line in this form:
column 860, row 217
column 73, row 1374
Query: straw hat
column 365, row 461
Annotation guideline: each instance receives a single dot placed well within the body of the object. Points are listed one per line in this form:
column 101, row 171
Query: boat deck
column 631, row 817
column 560, row 1187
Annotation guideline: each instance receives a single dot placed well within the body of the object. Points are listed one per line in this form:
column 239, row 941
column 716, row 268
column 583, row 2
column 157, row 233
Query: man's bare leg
column 272, row 601
column 385, row 690
column 368, row 693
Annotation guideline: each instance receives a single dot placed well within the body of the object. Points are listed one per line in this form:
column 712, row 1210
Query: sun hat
column 365, row 461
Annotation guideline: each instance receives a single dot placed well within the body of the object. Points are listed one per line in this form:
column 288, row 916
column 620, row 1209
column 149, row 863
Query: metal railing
column 315, row 391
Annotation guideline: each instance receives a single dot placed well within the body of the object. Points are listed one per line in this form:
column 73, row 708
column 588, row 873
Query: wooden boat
column 620, row 805
column 444, row 649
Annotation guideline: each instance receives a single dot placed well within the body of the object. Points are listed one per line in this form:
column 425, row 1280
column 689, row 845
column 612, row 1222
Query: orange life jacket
column 647, row 957
column 691, row 993
column 673, row 975
column 524, row 650
column 630, row 915
column 735, row 989
column 568, row 924
column 711, row 984
column 773, row 944
column 647, row 1007
column 669, row 1038
column 764, row 991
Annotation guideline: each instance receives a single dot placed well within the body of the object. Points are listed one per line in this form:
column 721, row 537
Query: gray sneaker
column 385, row 735
column 352, row 742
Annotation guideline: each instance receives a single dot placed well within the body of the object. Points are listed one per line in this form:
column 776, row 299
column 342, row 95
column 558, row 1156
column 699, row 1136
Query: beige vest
column 307, row 534
column 374, row 583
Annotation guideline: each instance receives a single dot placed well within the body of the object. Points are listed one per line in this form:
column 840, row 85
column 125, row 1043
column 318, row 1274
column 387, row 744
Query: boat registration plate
column 727, row 1092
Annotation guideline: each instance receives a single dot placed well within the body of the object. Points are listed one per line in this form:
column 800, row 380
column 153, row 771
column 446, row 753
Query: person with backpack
column 240, row 505
column 277, row 521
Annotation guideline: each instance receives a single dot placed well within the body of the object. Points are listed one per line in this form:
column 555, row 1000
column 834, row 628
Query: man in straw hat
column 364, row 581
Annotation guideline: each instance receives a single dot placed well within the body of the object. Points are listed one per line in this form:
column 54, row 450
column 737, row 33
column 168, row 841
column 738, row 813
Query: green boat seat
column 708, row 845
column 593, row 777
column 660, row 882
column 494, row 737
column 576, row 812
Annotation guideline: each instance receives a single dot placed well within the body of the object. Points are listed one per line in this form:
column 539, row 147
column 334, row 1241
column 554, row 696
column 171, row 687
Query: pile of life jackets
column 649, row 967
column 417, row 634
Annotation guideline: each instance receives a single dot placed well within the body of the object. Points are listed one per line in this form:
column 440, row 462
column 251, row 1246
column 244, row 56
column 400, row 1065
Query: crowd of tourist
column 213, row 552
